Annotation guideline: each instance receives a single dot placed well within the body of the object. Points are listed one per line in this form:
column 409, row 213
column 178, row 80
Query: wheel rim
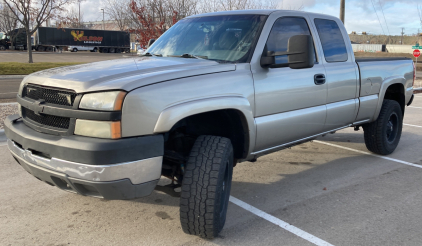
column 224, row 190
column 392, row 127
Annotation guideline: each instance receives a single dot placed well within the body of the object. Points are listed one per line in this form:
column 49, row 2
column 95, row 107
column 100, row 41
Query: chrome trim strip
column 137, row 171
column 296, row 141
column 359, row 122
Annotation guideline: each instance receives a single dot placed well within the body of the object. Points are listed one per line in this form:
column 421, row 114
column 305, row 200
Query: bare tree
column 71, row 19
column 33, row 13
column 9, row 24
column 120, row 12
column 205, row 6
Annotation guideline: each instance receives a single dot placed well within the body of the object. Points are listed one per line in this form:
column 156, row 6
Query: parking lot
column 325, row 192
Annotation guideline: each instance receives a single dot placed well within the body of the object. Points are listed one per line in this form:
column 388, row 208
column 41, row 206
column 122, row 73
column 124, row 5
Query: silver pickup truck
column 213, row 91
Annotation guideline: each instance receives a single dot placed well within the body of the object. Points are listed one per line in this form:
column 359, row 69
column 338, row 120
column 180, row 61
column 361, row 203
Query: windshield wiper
column 149, row 54
column 191, row 56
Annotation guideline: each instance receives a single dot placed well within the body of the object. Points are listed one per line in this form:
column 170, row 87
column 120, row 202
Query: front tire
column 383, row 135
column 206, row 187
column 75, row 50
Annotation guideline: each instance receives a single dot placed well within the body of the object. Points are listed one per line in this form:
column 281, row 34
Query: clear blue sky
column 360, row 14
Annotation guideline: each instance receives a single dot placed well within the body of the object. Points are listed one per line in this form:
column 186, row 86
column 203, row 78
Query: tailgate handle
column 319, row 79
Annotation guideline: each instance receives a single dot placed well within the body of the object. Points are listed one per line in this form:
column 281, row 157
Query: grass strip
column 17, row 68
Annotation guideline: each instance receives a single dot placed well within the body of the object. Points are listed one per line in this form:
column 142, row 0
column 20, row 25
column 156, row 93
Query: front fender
column 171, row 115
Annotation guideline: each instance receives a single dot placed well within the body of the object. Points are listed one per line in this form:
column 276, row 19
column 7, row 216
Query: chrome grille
column 49, row 95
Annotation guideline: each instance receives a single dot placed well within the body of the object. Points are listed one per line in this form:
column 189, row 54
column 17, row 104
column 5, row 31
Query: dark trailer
column 48, row 38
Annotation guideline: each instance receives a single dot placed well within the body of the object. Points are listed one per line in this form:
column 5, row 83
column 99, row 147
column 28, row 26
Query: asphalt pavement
column 331, row 189
column 9, row 86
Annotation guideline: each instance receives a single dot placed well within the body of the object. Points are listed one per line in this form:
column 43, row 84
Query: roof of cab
column 238, row 12
column 260, row 12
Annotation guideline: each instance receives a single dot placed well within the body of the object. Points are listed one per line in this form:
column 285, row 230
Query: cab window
column 332, row 40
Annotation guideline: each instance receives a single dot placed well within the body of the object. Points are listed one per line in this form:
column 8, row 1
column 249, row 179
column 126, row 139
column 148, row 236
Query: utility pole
column 402, row 33
column 103, row 19
column 342, row 10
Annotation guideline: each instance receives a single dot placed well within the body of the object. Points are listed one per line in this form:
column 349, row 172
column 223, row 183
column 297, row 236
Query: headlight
column 103, row 101
column 98, row 129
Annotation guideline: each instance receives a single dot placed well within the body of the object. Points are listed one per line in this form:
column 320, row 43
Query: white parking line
column 8, row 92
column 414, row 107
column 3, row 144
column 293, row 229
column 411, row 125
column 367, row 153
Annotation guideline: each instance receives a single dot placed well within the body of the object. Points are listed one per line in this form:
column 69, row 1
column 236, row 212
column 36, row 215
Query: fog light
column 98, row 129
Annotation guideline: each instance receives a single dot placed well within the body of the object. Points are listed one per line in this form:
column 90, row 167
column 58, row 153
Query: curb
column 6, row 104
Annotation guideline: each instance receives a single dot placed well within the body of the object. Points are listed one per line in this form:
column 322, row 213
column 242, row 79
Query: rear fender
column 384, row 86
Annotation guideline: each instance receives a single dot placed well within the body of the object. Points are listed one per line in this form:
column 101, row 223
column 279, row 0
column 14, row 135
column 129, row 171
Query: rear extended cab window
column 332, row 40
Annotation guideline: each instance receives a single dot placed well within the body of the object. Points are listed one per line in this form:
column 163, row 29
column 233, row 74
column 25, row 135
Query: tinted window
column 283, row 29
column 223, row 38
column 332, row 40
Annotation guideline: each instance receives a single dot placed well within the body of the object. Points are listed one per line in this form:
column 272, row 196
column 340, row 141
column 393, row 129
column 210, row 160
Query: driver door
column 289, row 104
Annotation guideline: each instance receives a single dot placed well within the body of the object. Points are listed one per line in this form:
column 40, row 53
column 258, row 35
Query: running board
column 301, row 141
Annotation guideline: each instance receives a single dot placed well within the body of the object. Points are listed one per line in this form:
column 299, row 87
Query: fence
column 399, row 48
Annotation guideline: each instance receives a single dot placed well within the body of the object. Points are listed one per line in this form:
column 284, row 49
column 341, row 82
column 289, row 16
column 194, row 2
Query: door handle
column 319, row 79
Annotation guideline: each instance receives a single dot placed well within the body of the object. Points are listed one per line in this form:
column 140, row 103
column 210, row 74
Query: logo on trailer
column 79, row 36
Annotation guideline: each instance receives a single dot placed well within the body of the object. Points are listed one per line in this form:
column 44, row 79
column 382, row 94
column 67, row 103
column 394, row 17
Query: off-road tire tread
column 373, row 132
column 199, row 199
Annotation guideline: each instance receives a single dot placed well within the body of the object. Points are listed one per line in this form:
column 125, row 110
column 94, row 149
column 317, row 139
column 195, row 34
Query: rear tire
column 2, row 47
column 383, row 135
column 75, row 50
column 206, row 186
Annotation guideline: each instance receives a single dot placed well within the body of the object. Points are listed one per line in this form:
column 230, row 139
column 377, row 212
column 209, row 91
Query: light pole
column 103, row 19
column 79, row 18
column 79, row 13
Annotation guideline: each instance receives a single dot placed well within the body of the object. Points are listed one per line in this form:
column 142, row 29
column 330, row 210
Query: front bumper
column 121, row 177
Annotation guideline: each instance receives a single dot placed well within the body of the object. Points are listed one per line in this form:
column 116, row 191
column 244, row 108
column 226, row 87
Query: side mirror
column 150, row 42
column 300, row 54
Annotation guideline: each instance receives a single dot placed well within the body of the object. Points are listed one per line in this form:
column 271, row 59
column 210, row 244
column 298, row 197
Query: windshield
column 221, row 38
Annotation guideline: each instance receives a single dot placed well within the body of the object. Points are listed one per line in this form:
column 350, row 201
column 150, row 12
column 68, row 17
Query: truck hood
column 126, row 74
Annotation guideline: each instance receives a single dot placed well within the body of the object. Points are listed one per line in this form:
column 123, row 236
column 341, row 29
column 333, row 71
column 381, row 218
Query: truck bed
column 374, row 71
column 375, row 59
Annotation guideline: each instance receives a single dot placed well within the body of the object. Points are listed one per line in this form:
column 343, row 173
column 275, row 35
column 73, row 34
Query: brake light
column 414, row 74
